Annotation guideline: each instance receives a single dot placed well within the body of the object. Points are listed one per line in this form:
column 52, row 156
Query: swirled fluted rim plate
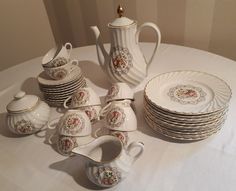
column 183, row 118
column 165, row 133
column 188, row 92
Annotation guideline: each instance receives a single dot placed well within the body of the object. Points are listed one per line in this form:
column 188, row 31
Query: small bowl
column 62, row 52
column 74, row 123
column 82, row 97
column 119, row 91
column 60, row 72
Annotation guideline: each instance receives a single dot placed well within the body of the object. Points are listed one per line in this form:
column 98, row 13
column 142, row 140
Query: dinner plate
column 181, row 115
column 186, row 131
column 183, row 124
column 188, row 92
column 188, row 121
column 183, row 127
column 180, row 137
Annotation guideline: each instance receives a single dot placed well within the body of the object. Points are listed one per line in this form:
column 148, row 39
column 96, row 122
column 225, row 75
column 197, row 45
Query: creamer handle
column 158, row 35
column 132, row 145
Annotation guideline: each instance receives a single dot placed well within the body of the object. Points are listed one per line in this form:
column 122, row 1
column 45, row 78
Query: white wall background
column 29, row 27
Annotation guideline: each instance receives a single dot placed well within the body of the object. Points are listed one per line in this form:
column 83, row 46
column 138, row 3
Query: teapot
column 108, row 162
column 125, row 61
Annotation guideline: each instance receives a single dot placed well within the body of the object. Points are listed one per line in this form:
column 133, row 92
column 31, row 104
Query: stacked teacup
column 86, row 100
column 118, row 114
column 73, row 129
column 61, row 75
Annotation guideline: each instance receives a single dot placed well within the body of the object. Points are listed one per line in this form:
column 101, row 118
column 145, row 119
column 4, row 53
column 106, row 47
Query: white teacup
column 119, row 91
column 119, row 116
column 58, row 73
column 83, row 97
column 56, row 55
column 65, row 144
column 92, row 112
column 122, row 135
column 74, row 123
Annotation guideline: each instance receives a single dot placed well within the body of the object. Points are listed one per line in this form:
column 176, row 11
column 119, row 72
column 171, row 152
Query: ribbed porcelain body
column 30, row 121
column 126, row 62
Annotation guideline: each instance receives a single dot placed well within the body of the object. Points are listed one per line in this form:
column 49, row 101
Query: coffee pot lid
column 121, row 21
column 22, row 103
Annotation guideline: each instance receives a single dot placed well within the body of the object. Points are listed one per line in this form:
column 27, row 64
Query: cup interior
column 50, row 55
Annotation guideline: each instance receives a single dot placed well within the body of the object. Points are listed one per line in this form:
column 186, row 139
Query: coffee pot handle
column 158, row 35
column 132, row 145
column 65, row 102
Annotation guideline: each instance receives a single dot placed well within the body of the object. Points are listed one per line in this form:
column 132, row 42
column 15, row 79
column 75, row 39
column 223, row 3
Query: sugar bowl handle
column 133, row 145
column 158, row 35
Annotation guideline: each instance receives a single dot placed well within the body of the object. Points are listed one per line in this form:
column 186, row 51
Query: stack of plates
column 186, row 105
column 56, row 91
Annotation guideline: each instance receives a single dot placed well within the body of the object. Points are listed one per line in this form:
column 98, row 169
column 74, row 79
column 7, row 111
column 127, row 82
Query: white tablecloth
column 30, row 163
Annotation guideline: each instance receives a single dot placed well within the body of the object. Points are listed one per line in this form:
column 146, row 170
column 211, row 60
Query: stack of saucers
column 56, row 91
column 186, row 105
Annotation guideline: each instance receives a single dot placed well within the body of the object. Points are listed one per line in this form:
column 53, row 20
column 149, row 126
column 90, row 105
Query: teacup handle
column 75, row 62
column 104, row 110
column 97, row 131
column 132, row 145
column 51, row 123
column 158, row 34
column 69, row 47
column 65, row 102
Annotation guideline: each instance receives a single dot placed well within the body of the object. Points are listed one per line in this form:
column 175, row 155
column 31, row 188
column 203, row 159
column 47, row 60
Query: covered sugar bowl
column 27, row 114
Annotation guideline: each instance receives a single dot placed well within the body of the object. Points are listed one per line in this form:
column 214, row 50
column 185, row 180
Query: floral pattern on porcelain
column 122, row 135
column 91, row 113
column 115, row 117
column 57, row 73
column 73, row 124
column 81, row 97
column 121, row 60
column 24, row 127
column 60, row 61
column 107, row 175
column 112, row 92
column 186, row 94
column 66, row 144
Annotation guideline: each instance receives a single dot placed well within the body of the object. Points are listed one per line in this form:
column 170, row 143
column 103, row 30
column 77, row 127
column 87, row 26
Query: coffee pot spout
column 101, row 51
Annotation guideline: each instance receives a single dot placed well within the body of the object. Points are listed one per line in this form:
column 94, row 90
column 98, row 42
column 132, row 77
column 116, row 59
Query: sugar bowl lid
column 120, row 21
column 22, row 103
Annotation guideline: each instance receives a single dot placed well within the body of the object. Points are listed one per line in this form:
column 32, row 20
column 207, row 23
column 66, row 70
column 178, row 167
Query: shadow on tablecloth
column 75, row 167
column 30, row 86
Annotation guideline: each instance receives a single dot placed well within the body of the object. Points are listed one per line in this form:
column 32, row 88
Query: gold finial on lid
column 120, row 11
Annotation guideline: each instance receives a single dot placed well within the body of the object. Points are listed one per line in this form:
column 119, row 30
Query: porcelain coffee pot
column 108, row 162
column 125, row 62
